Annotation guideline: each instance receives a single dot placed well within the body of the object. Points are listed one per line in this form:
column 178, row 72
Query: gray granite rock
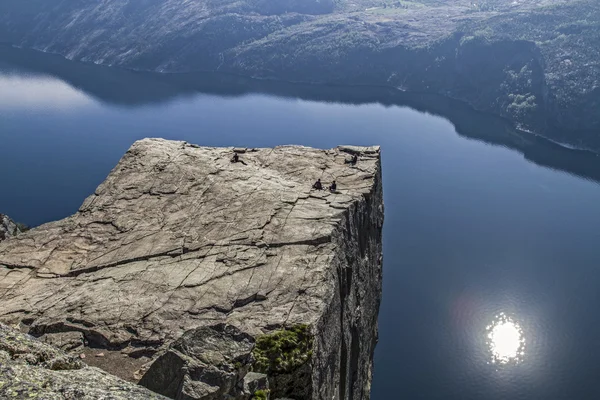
column 254, row 381
column 8, row 227
column 205, row 363
column 30, row 369
column 67, row 341
column 178, row 238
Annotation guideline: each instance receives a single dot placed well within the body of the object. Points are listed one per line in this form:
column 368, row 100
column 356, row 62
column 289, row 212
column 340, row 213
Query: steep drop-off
column 207, row 278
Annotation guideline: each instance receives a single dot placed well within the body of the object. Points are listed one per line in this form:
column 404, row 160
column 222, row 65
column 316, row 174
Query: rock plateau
column 207, row 279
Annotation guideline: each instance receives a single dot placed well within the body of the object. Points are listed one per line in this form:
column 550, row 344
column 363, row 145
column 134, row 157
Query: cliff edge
column 205, row 278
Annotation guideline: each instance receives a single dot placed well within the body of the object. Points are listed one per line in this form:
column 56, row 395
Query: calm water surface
column 492, row 261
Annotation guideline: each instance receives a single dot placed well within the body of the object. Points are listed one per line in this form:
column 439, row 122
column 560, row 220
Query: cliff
column 206, row 278
column 533, row 62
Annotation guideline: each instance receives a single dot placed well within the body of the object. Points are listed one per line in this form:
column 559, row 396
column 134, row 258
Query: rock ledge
column 179, row 240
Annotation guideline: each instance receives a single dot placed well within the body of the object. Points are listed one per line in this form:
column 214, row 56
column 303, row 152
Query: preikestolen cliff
column 192, row 199
column 203, row 278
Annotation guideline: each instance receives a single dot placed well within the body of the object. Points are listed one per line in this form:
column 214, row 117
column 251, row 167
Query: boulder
column 66, row 341
column 205, row 363
column 8, row 227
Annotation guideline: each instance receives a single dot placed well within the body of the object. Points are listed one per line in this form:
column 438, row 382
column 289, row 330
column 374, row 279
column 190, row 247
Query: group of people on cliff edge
column 318, row 185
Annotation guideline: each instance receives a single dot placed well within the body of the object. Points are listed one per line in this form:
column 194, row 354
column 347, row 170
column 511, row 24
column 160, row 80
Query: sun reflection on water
column 505, row 340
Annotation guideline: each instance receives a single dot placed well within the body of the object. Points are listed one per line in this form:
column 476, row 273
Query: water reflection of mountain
column 128, row 88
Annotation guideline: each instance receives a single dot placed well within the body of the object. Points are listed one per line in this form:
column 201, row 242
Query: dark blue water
column 473, row 230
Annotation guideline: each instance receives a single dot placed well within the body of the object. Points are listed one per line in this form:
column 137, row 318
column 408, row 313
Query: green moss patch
column 260, row 395
column 283, row 351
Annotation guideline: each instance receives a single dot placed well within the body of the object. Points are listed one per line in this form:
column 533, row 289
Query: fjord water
column 491, row 264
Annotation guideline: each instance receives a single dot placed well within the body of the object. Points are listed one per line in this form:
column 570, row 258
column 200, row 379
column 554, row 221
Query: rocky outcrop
column 8, row 227
column 30, row 369
column 185, row 259
column 205, row 363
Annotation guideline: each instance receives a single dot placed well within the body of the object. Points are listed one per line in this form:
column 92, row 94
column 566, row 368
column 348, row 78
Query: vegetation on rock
column 261, row 395
column 284, row 350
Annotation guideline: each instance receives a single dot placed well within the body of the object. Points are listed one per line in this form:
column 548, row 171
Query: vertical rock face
column 8, row 228
column 349, row 323
column 212, row 279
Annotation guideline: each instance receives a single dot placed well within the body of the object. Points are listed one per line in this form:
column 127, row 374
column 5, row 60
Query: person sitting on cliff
column 333, row 187
column 236, row 159
column 318, row 185
column 353, row 160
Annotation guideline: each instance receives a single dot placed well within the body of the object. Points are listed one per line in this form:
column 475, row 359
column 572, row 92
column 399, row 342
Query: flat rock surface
column 178, row 237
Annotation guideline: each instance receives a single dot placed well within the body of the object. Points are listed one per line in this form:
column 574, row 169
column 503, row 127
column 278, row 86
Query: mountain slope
column 534, row 62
